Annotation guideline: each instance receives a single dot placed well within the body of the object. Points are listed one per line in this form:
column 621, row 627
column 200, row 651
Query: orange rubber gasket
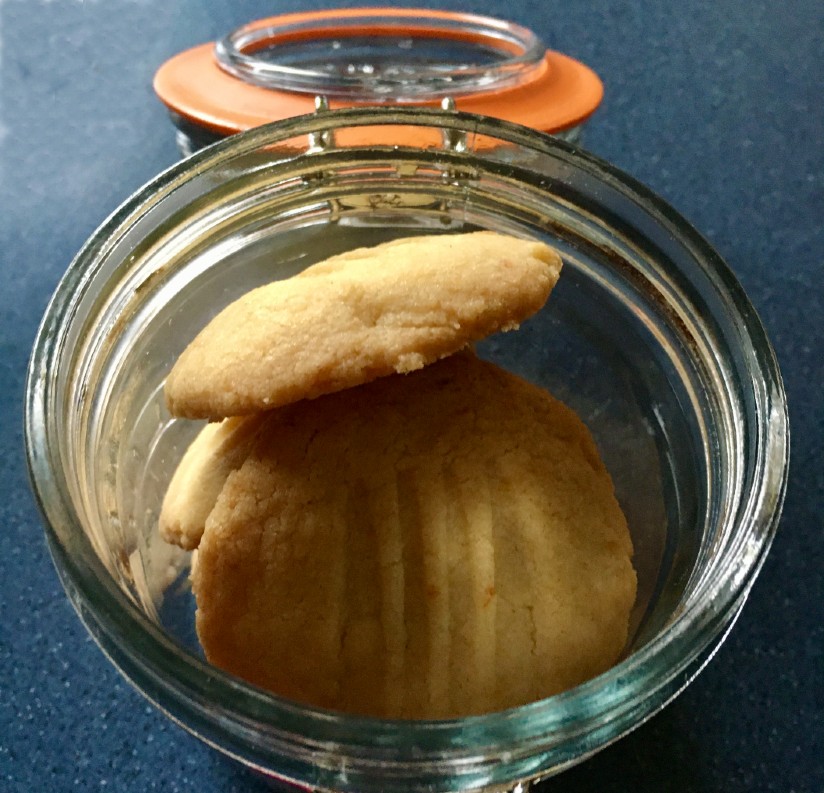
column 560, row 93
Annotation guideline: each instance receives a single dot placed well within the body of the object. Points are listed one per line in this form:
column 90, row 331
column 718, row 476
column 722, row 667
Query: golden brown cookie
column 216, row 451
column 428, row 545
column 358, row 316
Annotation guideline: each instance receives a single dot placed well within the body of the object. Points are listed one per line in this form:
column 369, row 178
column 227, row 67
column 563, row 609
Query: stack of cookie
column 386, row 524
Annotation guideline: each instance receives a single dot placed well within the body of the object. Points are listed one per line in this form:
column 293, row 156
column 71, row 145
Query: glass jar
column 647, row 336
column 274, row 68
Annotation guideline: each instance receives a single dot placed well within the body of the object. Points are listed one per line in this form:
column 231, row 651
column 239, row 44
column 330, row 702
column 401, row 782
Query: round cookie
column 358, row 316
column 429, row 545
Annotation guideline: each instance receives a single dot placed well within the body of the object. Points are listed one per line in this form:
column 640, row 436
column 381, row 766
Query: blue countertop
column 716, row 106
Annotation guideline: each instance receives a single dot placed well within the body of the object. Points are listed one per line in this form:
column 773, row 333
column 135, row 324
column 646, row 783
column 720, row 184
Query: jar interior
column 582, row 347
column 603, row 344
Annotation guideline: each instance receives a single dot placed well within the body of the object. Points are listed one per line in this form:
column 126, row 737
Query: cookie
column 429, row 545
column 355, row 317
column 216, row 451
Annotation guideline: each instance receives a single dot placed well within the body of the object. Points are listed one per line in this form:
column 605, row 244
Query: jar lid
column 274, row 68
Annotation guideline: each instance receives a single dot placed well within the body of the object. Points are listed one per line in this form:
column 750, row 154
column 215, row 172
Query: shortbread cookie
column 429, row 545
column 358, row 316
column 217, row 451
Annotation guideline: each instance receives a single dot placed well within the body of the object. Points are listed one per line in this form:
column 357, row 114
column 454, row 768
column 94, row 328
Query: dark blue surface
column 717, row 106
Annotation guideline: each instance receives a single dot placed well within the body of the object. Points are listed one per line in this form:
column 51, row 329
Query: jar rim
column 159, row 665
column 372, row 54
